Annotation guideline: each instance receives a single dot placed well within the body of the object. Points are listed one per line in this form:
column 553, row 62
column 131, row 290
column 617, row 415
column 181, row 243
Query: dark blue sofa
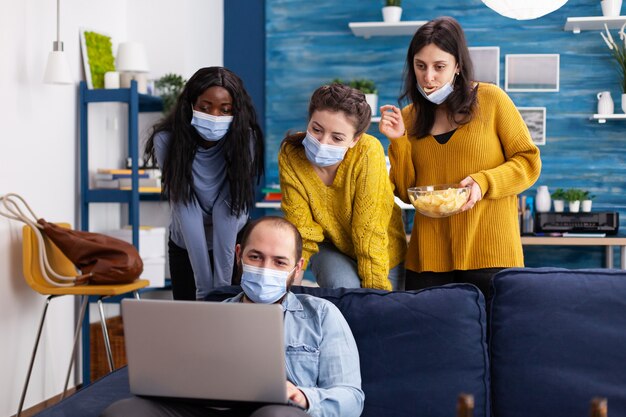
column 557, row 338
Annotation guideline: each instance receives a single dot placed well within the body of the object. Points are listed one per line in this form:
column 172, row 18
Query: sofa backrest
column 418, row 350
column 557, row 339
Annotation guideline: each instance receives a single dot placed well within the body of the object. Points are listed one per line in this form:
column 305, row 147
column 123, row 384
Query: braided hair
column 337, row 98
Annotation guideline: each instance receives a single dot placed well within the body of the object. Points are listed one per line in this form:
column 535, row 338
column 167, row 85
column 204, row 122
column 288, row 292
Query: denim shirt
column 321, row 356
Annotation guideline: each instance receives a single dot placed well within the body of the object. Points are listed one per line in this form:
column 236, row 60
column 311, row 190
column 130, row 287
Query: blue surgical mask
column 440, row 95
column 320, row 154
column 264, row 285
column 211, row 128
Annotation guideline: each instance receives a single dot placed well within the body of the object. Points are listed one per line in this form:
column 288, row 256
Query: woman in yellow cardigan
column 336, row 191
column 455, row 130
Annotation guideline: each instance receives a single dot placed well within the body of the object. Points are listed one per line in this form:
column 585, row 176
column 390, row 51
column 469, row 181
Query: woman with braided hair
column 336, row 191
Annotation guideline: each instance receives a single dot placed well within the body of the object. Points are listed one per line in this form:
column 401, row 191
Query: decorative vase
column 392, row 14
column 372, row 100
column 574, row 206
column 559, row 206
column 611, row 7
column 542, row 199
column 624, row 102
column 585, row 206
column 605, row 103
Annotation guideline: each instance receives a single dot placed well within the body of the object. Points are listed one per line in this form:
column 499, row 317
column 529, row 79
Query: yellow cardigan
column 357, row 213
column 496, row 150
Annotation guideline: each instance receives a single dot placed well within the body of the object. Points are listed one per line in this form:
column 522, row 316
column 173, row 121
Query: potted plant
column 169, row 87
column 368, row 87
column 558, row 199
column 573, row 197
column 585, row 205
column 619, row 53
column 392, row 11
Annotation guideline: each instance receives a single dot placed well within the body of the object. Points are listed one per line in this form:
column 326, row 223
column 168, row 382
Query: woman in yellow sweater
column 455, row 130
column 336, row 190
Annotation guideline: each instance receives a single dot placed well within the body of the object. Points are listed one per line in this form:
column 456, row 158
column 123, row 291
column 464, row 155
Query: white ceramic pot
column 542, row 199
column 605, row 103
column 393, row 13
column 611, row 7
column 372, row 100
column 574, row 206
column 559, row 206
column 586, row 206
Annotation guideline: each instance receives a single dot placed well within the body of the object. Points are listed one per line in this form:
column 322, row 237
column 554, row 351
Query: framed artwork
column 531, row 72
column 535, row 118
column 97, row 50
column 486, row 62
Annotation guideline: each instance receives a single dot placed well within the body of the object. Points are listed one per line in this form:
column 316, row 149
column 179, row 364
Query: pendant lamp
column 524, row 9
column 57, row 68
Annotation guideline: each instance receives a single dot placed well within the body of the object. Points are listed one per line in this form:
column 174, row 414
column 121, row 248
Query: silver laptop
column 224, row 352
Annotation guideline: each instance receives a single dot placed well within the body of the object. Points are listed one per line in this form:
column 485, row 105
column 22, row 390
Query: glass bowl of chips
column 441, row 200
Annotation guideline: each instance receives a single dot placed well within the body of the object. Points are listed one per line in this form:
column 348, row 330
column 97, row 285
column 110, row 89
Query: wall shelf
column 577, row 24
column 602, row 118
column 369, row 29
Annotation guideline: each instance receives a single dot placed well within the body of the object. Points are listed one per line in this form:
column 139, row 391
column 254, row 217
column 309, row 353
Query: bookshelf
column 136, row 103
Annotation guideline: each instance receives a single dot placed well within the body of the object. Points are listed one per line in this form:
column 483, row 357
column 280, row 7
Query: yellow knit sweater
column 496, row 150
column 357, row 213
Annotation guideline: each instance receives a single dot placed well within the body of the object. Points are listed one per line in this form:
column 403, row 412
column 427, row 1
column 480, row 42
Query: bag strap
column 11, row 203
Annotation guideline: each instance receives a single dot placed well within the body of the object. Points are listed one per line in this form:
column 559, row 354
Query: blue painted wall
column 309, row 43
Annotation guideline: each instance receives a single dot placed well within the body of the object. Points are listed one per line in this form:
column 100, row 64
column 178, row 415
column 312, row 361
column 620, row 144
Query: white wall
column 39, row 152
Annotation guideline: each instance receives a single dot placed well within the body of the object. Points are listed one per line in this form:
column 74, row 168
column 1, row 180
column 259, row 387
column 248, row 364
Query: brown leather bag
column 102, row 259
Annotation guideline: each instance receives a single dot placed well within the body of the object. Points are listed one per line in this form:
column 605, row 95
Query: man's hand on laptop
column 297, row 396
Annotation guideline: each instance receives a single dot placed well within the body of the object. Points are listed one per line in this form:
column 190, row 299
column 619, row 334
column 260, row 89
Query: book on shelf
column 144, row 189
column 126, row 183
column 118, row 171
column 101, row 176
column 272, row 196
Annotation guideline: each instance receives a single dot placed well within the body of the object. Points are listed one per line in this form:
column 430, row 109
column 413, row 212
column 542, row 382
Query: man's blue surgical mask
column 440, row 95
column 211, row 128
column 264, row 285
column 320, row 154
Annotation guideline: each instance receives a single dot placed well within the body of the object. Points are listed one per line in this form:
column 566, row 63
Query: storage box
column 154, row 271
column 151, row 240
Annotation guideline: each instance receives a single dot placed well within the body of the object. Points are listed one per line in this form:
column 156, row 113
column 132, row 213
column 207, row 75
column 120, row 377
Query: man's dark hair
column 276, row 222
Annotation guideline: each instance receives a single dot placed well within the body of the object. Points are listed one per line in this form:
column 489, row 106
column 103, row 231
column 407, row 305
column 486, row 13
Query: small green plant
column 574, row 194
column 587, row 196
column 397, row 3
column 558, row 194
column 169, row 87
column 364, row 85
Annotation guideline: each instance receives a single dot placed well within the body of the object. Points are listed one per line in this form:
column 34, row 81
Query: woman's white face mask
column 439, row 95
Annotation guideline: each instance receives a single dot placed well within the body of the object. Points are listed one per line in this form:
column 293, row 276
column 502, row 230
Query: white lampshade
column 524, row 9
column 57, row 69
column 131, row 57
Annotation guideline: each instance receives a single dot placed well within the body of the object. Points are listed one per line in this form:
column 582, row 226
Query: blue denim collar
column 289, row 303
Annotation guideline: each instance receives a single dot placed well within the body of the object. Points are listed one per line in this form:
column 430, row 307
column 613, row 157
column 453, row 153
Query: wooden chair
column 62, row 265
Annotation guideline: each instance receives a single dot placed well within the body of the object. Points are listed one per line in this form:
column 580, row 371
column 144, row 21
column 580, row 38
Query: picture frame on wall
column 486, row 63
column 535, row 118
column 97, row 51
column 531, row 73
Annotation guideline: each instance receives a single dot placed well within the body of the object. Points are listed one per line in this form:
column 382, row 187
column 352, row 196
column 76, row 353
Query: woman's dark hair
column 244, row 160
column 337, row 98
column 445, row 33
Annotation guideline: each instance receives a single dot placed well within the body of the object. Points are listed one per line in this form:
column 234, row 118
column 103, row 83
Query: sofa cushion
column 418, row 350
column 557, row 339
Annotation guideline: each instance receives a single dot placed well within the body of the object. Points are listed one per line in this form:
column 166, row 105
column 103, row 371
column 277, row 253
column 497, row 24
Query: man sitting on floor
column 322, row 359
